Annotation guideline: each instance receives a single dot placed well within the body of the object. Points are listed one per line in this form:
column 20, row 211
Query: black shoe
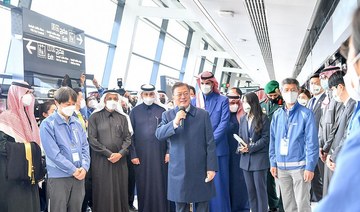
column 132, row 208
column 273, row 209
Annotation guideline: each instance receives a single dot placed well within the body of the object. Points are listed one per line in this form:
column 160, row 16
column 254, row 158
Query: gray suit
column 317, row 108
column 334, row 146
column 316, row 183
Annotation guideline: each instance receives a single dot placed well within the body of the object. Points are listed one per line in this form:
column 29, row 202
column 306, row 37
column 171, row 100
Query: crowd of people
column 277, row 149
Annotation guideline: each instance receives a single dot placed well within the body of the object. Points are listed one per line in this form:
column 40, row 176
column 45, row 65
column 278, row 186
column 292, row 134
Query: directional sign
column 37, row 52
column 29, row 47
column 44, row 27
column 51, row 47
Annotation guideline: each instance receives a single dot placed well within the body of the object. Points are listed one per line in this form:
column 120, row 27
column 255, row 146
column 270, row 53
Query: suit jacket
column 329, row 121
column 218, row 108
column 258, row 156
column 334, row 146
column 192, row 154
column 317, row 108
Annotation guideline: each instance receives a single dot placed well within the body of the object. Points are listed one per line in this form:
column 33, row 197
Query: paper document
column 239, row 140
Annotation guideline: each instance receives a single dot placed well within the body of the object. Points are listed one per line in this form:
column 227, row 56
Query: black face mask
column 275, row 101
column 162, row 100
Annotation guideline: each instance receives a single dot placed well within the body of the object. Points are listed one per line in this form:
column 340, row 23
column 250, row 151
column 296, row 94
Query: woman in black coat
column 254, row 131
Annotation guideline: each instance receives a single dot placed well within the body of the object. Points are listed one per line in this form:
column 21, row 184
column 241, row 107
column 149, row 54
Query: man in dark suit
column 315, row 104
column 193, row 160
column 332, row 147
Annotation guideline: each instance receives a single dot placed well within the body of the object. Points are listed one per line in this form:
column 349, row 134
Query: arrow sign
column 79, row 38
column 29, row 47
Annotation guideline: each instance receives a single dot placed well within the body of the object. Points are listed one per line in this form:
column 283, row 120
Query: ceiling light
column 226, row 13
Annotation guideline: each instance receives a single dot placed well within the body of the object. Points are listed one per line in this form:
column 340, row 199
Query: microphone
column 182, row 120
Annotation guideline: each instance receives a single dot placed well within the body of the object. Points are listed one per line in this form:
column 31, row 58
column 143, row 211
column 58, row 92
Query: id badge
column 75, row 155
column 284, row 147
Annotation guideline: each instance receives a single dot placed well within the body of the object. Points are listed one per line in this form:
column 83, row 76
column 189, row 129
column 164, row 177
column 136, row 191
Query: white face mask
column 27, row 99
column 324, row 84
column 303, row 102
column 69, row 110
column 111, row 104
column 336, row 96
column 205, row 89
column 93, row 104
column 315, row 89
column 149, row 100
column 246, row 107
column 82, row 103
column 290, row 97
column 352, row 80
column 234, row 108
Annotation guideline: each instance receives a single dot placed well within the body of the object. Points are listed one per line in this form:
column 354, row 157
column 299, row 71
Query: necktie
column 313, row 104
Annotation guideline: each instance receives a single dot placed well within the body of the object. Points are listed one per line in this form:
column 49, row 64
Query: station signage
column 51, row 47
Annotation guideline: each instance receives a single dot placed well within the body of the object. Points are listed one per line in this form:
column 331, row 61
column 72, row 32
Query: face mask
column 275, row 101
column 205, row 89
column 111, row 104
column 69, row 110
column 315, row 89
column 82, row 103
column 246, row 107
column 93, row 103
column 324, row 84
column 290, row 97
column 336, row 96
column 234, row 108
column 149, row 101
column 303, row 102
column 352, row 80
column 162, row 100
column 27, row 99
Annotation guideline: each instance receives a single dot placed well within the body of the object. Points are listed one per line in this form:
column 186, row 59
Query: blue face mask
column 324, row 84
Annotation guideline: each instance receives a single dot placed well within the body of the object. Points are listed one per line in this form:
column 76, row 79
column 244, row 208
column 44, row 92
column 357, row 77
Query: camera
column 119, row 82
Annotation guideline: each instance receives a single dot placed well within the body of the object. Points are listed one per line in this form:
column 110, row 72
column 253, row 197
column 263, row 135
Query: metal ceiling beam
column 321, row 16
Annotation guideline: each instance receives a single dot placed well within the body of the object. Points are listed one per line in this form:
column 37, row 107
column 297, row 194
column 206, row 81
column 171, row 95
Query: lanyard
column 287, row 125
column 72, row 136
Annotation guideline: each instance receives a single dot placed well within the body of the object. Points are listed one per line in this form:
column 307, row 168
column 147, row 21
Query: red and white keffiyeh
column 18, row 121
column 207, row 76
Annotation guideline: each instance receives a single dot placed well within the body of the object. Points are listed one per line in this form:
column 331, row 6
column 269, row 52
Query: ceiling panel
column 287, row 24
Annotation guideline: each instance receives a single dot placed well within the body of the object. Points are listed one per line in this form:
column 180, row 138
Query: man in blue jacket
column 193, row 161
column 294, row 149
column 217, row 105
column 67, row 154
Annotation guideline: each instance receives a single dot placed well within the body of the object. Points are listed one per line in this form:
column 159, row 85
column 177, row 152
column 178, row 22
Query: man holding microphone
column 193, row 159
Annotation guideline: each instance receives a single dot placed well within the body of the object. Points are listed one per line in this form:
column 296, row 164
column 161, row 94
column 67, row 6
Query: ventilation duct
column 256, row 11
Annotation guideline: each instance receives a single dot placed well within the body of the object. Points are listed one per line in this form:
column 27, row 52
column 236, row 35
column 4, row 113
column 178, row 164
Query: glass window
column 153, row 22
column 146, row 39
column 5, row 36
column 173, row 53
column 96, row 18
column 139, row 72
column 208, row 66
column 177, row 30
column 95, row 57
column 166, row 71
column 148, row 3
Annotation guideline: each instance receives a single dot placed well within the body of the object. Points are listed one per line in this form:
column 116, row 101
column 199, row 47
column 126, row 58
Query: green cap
column 271, row 86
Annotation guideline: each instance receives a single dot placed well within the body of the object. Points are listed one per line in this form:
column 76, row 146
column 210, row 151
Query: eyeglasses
column 186, row 94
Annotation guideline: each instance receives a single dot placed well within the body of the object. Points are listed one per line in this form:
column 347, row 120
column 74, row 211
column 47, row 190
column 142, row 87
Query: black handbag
column 17, row 167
